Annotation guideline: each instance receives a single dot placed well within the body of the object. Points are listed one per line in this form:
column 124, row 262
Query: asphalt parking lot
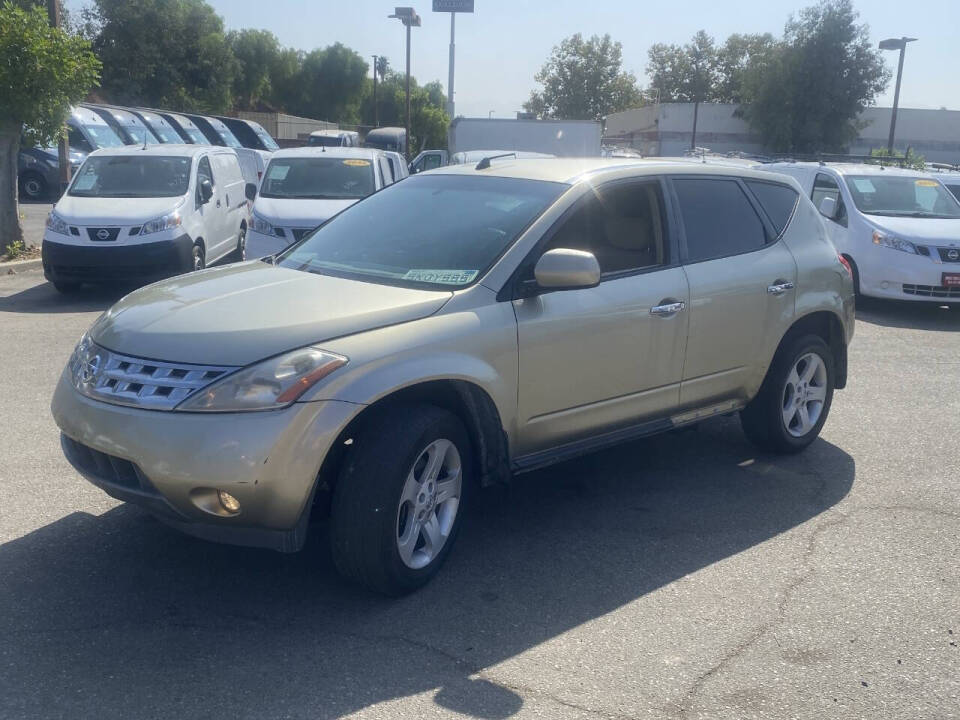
column 684, row 576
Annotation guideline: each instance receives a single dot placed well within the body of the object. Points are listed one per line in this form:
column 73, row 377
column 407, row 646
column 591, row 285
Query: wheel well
column 203, row 247
column 855, row 270
column 243, row 224
column 828, row 326
column 469, row 402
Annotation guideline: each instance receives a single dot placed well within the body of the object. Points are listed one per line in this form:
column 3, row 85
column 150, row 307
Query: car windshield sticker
column 864, row 185
column 278, row 172
column 926, row 183
column 442, row 277
column 357, row 163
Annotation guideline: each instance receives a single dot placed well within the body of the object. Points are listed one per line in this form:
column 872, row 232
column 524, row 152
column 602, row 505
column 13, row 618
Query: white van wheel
column 198, row 260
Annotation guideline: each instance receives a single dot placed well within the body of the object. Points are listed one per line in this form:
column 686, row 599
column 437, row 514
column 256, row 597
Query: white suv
column 899, row 229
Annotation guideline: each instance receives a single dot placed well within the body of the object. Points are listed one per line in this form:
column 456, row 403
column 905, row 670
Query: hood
column 926, row 231
column 114, row 211
column 298, row 213
column 242, row 313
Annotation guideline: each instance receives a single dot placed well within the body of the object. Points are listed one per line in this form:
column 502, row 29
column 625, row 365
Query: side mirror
column 206, row 191
column 828, row 207
column 250, row 190
column 563, row 269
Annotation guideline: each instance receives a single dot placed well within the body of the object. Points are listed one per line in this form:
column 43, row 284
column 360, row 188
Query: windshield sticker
column 278, row 172
column 357, row 163
column 864, row 185
column 926, row 183
column 442, row 277
column 85, row 181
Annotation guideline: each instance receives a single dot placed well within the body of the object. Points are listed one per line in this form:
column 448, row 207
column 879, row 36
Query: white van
column 333, row 138
column 304, row 187
column 900, row 229
column 135, row 214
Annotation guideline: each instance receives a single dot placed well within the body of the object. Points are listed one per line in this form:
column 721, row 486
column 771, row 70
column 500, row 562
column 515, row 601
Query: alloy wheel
column 804, row 394
column 429, row 503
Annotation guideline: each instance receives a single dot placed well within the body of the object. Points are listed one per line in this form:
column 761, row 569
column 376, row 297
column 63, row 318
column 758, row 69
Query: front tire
column 399, row 498
column 794, row 400
column 34, row 186
column 199, row 261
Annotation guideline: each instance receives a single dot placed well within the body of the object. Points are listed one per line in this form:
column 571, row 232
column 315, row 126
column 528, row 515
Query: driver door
column 602, row 358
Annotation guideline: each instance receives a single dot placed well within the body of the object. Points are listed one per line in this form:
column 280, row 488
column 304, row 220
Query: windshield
column 324, row 141
column 103, row 136
column 899, row 196
column 125, row 176
column 166, row 133
column 228, row 137
column 194, row 134
column 318, row 178
column 268, row 142
column 442, row 232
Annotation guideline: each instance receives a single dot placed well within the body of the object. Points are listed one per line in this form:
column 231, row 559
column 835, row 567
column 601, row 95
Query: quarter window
column 778, row 201
column 622, row 225
column 718, row 218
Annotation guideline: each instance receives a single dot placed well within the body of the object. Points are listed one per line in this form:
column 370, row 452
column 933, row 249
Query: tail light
column 846, row 264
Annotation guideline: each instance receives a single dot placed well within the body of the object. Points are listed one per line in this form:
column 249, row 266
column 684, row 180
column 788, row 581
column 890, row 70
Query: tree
column 584, row 80
column 808, row 92
column 163, row 53
column 739, row 54
column 257, row 53
column 333, row 80
column 428, row 117
column 686, row 74
column 43, row 71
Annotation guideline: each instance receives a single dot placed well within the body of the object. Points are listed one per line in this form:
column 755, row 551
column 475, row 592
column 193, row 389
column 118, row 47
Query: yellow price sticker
column 926, row 183
column 357, row 163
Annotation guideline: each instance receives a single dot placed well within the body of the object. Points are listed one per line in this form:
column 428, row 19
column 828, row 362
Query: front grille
column 103, row 234
column 934, row 291
column 123, row 380
column 102, row 466
column 946, row 253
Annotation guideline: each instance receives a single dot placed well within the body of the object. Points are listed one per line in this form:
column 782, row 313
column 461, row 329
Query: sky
column 503, row 44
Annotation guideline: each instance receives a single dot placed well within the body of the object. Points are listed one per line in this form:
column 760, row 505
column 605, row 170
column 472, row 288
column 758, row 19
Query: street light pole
column 901, row 45
column 376, row 117
column 408, row 16
column 453, row 27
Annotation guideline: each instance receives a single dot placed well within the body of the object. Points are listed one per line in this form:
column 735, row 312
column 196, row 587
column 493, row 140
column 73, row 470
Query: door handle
column 218, row 202
column 667, row 309
column 228, row 200
column 779, row 288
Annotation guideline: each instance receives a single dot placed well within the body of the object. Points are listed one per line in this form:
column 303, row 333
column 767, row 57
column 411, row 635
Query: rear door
column 742, row 288
column 600, row 358
column 213, row 212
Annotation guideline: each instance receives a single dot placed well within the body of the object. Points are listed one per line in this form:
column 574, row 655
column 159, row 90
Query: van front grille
column 934, row 291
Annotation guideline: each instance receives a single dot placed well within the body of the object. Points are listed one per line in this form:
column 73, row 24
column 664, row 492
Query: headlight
column 163, row 223
column 78, row 356
column 270, row 384
column 258, row 224
column 57, row 224
column 893, row 242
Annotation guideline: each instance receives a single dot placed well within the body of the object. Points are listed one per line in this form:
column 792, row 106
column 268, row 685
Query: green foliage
column 162, row 53
column 14, row 250
column 807, row 93
column 737, row 56
column 688, row 73
column 43, row 71
column 428, row 116
column 584, row 80
column 332, row 84
column 910, row 159
column 257, row 53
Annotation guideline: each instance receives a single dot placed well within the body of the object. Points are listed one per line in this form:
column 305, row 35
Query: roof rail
column 485, row 162
column 824, row 158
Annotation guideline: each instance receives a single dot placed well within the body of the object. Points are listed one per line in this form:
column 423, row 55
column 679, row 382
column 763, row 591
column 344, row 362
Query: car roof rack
column 485, row 162
column 836, row 158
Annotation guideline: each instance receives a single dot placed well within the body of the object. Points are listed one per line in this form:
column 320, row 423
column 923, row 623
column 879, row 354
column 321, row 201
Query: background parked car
column 252, row 162
column 387, row 138
column 88, row 131
column 187, row 129
column 249, row 133
column 158, row 125
column 303, row 187
column 333, row 138
column 135, row 214
column 127, row 125
column 38, row 171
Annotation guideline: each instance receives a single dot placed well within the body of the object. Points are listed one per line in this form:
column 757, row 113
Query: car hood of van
column 238, row 314
column 926, row 231
column 114, row 212
column 292, row 213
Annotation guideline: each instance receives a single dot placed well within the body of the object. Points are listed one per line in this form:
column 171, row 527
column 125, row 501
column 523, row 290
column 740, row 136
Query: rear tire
column 199, row 262
column 33, row 186
column 399, row 498
column 794, row 400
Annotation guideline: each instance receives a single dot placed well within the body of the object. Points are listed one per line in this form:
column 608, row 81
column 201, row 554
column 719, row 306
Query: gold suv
column 451, row 331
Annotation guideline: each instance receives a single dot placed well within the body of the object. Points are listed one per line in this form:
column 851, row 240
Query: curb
column 18, row 265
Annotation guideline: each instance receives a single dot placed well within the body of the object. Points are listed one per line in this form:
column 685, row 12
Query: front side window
column 622, row 225
column 718, row 218
column 439, row 232
column 132, row 176
column 318, row 178
column 430, row 162
column 900, row 196
column 78, row 141
column 825, row 186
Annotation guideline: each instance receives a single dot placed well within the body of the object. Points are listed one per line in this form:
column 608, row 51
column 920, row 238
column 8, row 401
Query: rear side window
column 718, row 218
column 778, row 201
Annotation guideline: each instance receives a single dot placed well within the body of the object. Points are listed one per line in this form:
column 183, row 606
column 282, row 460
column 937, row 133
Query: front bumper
column 903, row 276
column 163, row 461
column 140, row 262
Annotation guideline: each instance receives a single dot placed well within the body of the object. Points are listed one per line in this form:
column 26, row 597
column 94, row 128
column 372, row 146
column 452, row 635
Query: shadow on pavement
column 45, row 299
column 909, row 315
column 116, row 616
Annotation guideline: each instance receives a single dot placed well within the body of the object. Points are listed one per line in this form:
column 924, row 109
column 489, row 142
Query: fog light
column 229, row 502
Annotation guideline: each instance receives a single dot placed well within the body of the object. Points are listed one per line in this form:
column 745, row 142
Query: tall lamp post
column 408, row 16
column 901, row 45
column 376, row 116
